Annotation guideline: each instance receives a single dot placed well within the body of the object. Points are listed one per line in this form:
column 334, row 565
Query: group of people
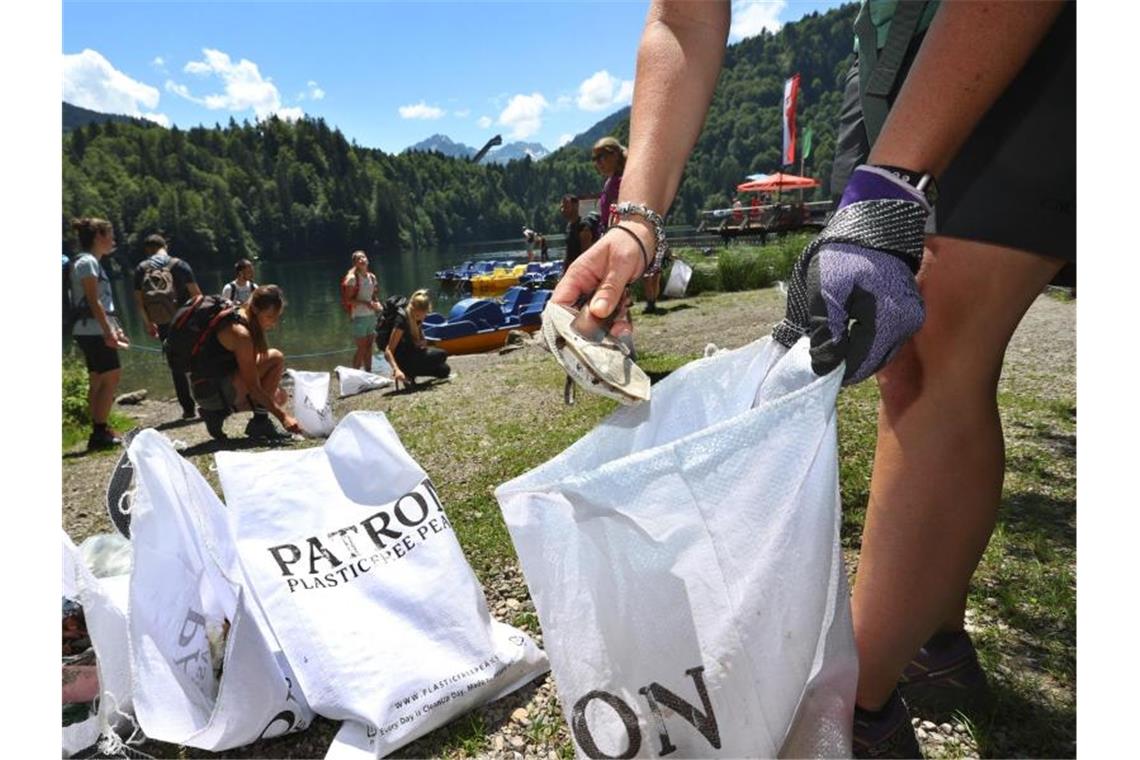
column 397, row 327
column 234, row 369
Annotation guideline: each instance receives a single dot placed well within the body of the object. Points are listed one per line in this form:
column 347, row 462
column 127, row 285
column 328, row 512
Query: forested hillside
column 282, row 190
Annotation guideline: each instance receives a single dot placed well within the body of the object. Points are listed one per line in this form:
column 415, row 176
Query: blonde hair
column 611, row 145
column 418, row 301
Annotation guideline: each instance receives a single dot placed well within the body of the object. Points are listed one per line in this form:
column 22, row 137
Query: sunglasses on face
column 600, row 156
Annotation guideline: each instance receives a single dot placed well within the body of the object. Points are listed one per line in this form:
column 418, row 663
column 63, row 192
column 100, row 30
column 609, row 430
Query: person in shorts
column 360, row 295
column 96, row 330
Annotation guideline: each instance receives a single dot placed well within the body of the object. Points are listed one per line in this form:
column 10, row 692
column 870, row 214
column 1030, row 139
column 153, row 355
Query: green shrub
column 76, row 413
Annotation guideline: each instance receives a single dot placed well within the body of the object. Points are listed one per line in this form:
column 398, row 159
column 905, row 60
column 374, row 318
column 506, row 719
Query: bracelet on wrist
column 636, row 239
column 656, row 222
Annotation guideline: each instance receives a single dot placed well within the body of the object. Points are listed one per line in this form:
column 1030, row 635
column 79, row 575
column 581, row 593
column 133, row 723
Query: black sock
column 99, row 428
column 260, row 413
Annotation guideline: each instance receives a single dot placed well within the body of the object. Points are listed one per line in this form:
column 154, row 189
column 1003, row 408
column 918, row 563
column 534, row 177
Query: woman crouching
column 235, row 370
column 407, row 352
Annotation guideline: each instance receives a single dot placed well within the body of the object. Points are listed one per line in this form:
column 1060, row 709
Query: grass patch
column 76, row 414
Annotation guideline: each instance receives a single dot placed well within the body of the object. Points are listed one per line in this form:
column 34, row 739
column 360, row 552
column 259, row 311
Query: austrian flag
column 791, row 89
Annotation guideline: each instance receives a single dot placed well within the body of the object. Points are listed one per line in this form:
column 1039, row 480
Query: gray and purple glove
column 853, row 289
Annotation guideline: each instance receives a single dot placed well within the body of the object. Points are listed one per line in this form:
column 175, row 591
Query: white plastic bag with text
column 311, row 404
column 364, row 582
column 684, row 560
column 191, row 608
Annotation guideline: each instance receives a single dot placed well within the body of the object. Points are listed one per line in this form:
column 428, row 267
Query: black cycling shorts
column 98, row 355
column 1014, row 182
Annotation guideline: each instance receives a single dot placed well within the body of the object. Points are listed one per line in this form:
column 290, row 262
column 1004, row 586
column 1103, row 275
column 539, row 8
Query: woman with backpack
column 234, row 369
column 95, row 328
column 360, row 296
column 407, row 351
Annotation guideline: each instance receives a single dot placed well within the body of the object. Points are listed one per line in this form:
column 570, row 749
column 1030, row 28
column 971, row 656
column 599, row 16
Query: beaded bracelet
column 656, row 222
column 636, row 239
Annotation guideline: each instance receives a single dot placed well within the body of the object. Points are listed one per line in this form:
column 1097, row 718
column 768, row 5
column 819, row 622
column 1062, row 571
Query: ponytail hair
column 263, row 298
column 87, row 228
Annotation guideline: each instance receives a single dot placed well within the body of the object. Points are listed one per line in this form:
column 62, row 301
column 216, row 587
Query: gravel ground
column 1041, row 360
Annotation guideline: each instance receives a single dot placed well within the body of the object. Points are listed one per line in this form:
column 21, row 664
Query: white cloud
column 421, row 110
column 158, row 62
column 750, row 17
column 563, row 102
column 90, row 81
column 523, row 115
column 244, row 87
column 315, row 92
column 484, row 122
column 563, row 139
column 462, row 114
column 603, row 90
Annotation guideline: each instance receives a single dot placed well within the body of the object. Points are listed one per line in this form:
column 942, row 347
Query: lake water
column 314, row 332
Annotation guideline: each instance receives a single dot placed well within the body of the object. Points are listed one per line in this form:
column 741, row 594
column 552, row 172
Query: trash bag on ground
column 96, row 669
column 684, row 560
column 353, row 381
column 208, row 670
column 361, row 576
column 311, row 404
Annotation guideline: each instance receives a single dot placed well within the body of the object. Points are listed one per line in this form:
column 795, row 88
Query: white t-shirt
column 237, row 292
column 360, row 307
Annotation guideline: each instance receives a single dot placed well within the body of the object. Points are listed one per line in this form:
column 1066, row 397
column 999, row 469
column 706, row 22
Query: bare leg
column 940, row 459
column 363, row 358
column 270, row 368
column 101, row 387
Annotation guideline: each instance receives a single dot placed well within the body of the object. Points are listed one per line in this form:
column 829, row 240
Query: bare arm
column 151, row 327
column 193, row 290
column 390, row 353
column 678, row 61
column 236, row 338
column 970, row 54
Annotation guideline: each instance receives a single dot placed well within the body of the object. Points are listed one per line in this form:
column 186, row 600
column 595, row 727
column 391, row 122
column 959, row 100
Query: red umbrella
column 776, row 183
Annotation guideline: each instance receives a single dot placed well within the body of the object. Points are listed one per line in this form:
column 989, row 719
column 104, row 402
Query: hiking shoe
column 260, row 426
column 189, row 414
column 945, row 677
column 108, row 439
column 887, row 732
column 214, row 419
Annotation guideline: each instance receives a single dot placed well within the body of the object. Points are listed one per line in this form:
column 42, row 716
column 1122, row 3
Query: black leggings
column 423, row 362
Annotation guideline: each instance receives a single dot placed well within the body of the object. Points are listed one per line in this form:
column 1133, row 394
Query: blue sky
column 388, row 74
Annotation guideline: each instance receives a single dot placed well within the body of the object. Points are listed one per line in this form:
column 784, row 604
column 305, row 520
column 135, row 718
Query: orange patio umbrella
column 777, row 182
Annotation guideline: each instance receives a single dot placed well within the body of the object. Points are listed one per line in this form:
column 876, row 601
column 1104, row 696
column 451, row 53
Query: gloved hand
column 853, row 288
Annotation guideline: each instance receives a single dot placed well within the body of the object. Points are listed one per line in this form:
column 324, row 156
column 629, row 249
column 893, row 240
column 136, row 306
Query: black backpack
column 393, row 307
column 193, row 323
column 71, row 312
